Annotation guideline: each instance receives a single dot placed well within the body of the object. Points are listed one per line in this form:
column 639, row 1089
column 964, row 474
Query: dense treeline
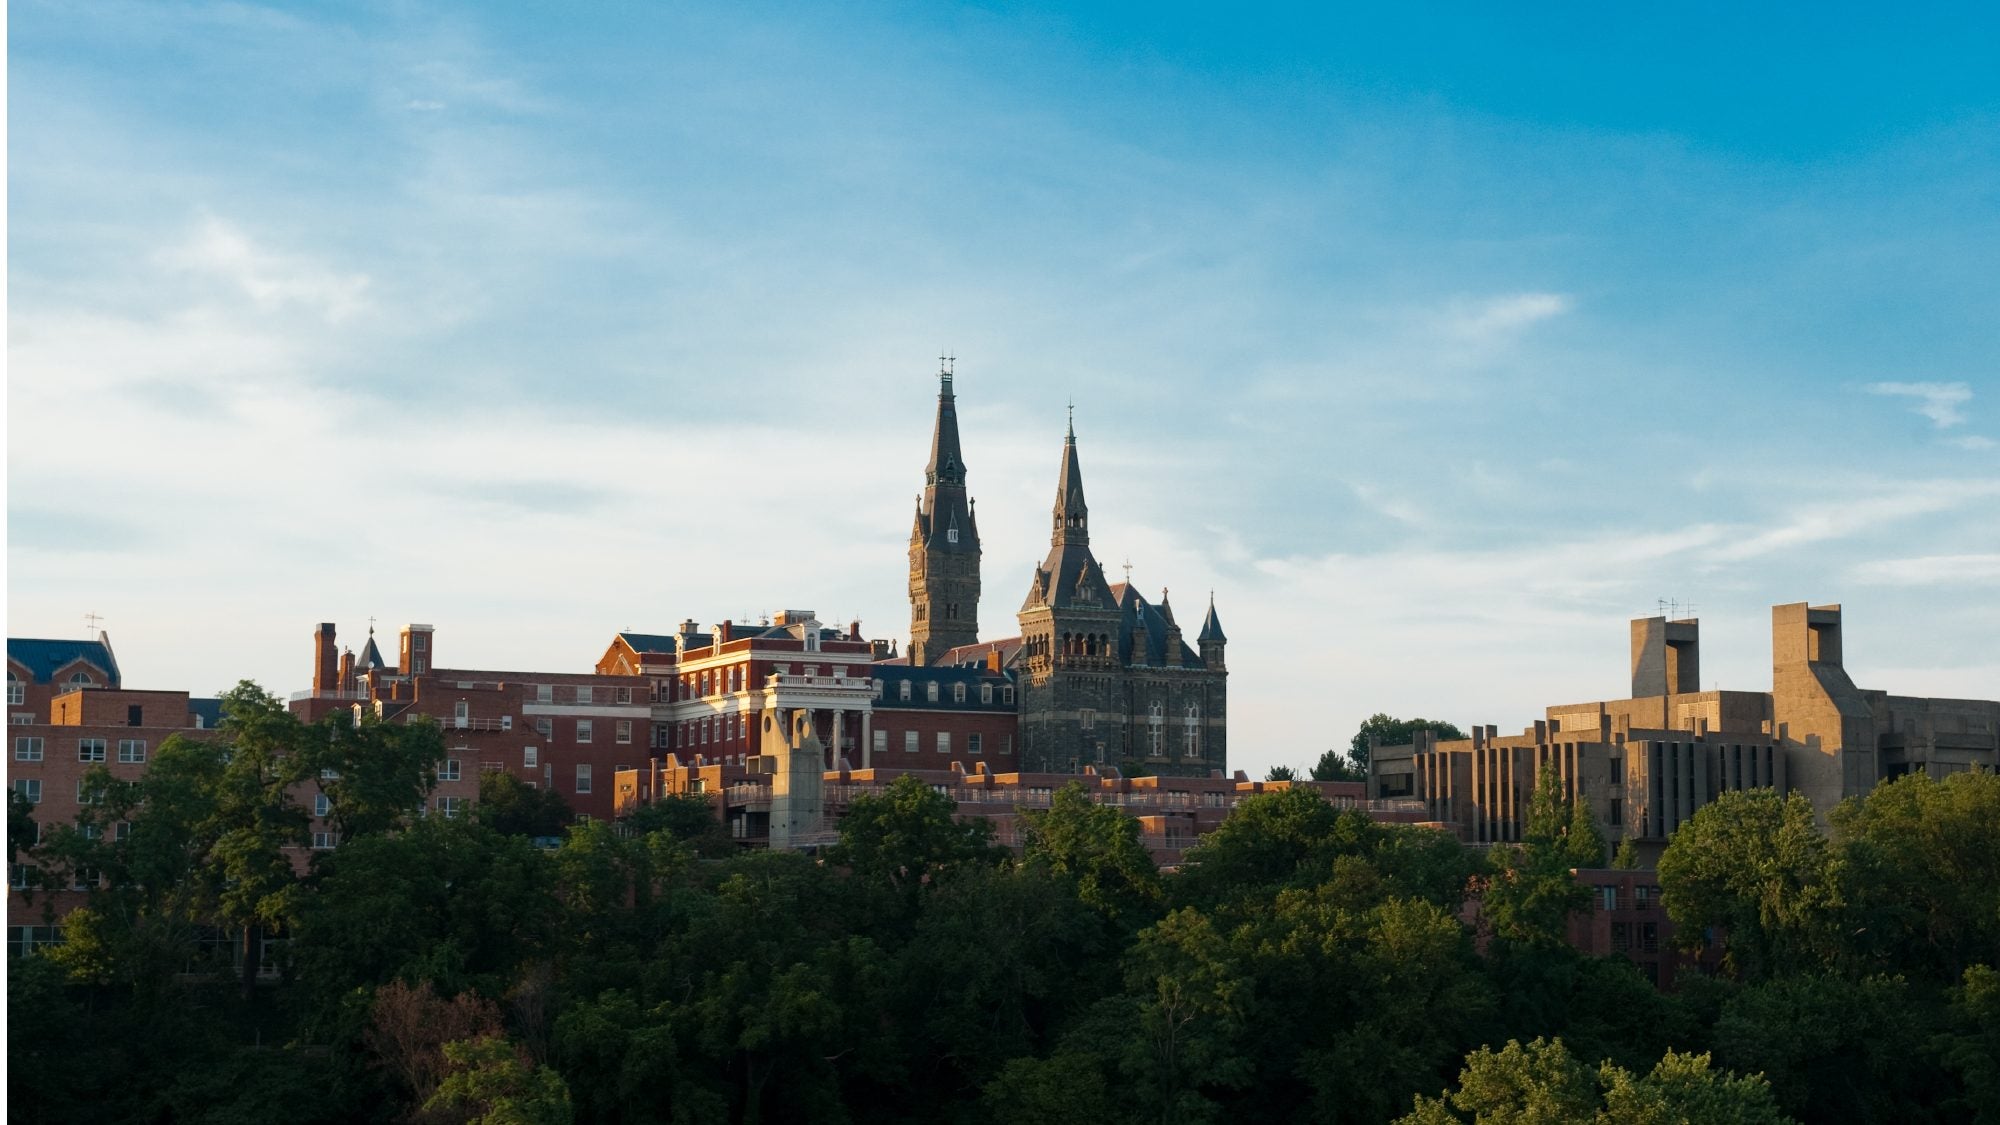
column 1307, row 964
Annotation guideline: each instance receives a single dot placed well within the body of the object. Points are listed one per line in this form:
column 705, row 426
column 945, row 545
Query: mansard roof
column 43, row 658
column 649, row 642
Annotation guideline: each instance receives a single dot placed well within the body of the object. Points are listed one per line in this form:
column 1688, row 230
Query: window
column 1617, row 812
column 972, row 744
column 583, row 778
column 1617, row 769
column 531, row 756
column 881, row 742
column 1006, row 745
column 545, row 727
column 124, row 831
column 951, row 535
column 322, row 805
column 322, row 841
column 1621, row 937
column 622, row 695
column 27, row 749
column 417, row 666
column 420, row 641
column 81, row 678
column 1607, row 898
column 878, row 689
column 1649, row 937
column 1191, row 735
column 583, row 730
column 944, row 742
column 83, row 879
column 89, row 749
column 958, row 693
column 1642, row 896
column 21, row 876
column 986, row 693
column 85, row 795
column 135, row 716
column 1087, row 718
column 909, row 747
column 17, row 692
column 449, row 770
column 1155, row 722
column 903, row 691
column 24, row 718
column 624, row 730
column 329, row 775
column 931, row 692
column 545, row 693
column 460, row 711
column 449, row 806
column 1007, row 694
column 506, row 722
column 583, row 694
column 131, row 750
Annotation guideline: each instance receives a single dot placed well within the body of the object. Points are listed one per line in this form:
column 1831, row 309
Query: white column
column 867, row 741
column 839, row 720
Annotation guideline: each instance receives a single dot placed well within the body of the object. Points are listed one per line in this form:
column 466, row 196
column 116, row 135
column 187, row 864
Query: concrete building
column 1647, row 762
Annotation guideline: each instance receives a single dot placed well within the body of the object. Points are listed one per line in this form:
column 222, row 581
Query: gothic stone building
column 1106, row 676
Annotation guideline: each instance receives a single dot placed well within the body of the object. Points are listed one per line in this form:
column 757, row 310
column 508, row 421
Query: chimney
column 725, row 632
column 854, row 630
column 347, row 683
column 326, row 665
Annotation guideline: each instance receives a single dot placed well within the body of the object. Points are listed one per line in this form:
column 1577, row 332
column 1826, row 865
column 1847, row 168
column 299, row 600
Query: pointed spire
column 1072, row 515
column 1211, row 626
column 947, row 464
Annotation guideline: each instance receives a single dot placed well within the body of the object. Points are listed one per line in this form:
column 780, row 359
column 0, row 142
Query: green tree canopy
column 1753, row 868
column 1391, row 731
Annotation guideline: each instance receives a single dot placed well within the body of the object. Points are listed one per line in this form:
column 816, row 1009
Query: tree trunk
column 253, row 958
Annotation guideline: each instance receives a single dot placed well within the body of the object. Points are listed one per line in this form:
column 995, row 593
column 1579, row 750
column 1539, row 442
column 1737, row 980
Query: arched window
column 1156, row 722
column 17, row 692
column 1192, row 738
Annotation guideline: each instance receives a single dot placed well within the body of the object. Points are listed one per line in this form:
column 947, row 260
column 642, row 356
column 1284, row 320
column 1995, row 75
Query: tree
column 373, row 773
column 1919, row 867
column 1753, row 867
column 409, row 1029
column 1390, row 731
column 1532, row 892
column 1095, row 848
column 491, row 1083
column 685, row 816
column 909, row 836
column 1542, row 1084
column 1336, row 766
column 1281, row 773
column 512, row 807
column 1626, row 858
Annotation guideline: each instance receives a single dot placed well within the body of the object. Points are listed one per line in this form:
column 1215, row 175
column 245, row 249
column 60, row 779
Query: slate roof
column 44, row 658
column 209, row 711
column 370, row 656
column 1007, row 647
column 1211, row 626
column 649, row 642
column 1145, row 629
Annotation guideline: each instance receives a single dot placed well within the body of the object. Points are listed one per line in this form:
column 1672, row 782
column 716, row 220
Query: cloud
column 1930, row 570
column 1840, row 519
column 218, row 249
column 1939, row 402
column 1502, row 315
column 1971, row 441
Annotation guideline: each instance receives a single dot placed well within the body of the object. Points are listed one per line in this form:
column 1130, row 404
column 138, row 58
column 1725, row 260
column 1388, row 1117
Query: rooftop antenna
column 91, row 621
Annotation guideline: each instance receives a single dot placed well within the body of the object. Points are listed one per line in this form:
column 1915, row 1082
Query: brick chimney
column 417, row 656
column 326, row 665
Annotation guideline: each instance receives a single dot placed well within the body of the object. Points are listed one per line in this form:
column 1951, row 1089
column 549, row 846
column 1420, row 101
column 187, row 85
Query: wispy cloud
column 272, row 280
column 1930, row 570
column 1972, row 441
column 1840, row 519
column 1500, row 316
column 1940, row 402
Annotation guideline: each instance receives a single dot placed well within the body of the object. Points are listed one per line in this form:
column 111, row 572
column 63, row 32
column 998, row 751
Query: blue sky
column 1437, row 340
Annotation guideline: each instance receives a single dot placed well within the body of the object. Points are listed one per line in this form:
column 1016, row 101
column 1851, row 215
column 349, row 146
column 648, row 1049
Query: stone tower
column 944, row 546
column 1069, row 637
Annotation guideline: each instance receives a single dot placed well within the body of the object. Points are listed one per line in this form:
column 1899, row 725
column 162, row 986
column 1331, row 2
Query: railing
column 343, row 696
column 505, row 723
column 492, row 767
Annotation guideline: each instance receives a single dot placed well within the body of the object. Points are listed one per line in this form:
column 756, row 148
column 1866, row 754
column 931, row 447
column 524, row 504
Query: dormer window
column 951, row 535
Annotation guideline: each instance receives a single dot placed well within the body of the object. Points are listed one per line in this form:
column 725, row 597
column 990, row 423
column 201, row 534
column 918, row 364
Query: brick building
column 68, row 712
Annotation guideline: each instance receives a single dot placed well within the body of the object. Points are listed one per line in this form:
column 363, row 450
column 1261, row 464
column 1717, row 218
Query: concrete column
column 867, row 741
column 839, row 720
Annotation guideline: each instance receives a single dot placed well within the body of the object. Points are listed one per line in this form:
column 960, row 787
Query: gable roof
column 649, row 642
column 43, row 658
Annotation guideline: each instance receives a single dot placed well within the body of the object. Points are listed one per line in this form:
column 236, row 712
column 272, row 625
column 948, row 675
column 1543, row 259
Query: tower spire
column 1072, row 515
column 944, row 543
